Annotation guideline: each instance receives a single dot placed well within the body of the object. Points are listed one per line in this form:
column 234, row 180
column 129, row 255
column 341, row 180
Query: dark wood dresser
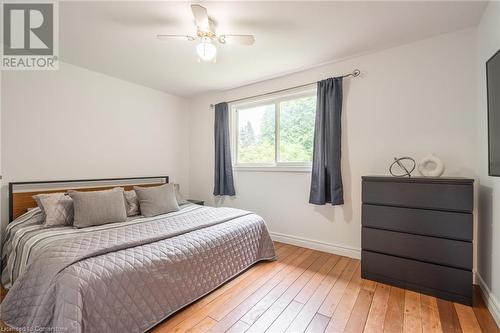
column 417, row 234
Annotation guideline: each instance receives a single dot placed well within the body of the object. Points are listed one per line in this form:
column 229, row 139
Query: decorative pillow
column 131, row 203
column 98, row 207
column 156, row 200
column 178, row 195
column 57, row 208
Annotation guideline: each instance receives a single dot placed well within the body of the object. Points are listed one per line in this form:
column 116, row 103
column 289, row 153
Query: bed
column 120, row 277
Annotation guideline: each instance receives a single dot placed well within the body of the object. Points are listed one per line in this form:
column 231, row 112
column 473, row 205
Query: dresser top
column 423, row 180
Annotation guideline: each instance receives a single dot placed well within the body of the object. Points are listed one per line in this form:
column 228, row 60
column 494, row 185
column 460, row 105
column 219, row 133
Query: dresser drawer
column 446, row 196
column 446, row 282
column 419, row 221
column 429, row 249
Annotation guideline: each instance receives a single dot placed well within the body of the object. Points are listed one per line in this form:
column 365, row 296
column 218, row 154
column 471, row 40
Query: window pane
column 256, row 134
column 297, row 129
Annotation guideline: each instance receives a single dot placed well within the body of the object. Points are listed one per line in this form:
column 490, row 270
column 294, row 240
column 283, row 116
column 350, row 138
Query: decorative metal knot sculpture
column 404, row 170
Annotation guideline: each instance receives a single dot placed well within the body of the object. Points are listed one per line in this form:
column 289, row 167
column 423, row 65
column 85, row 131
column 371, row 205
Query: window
column 275, row 133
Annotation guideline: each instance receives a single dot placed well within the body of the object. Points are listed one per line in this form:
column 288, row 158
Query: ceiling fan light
column 206, row 50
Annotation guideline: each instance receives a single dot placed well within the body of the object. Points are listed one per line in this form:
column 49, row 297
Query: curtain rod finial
column 356, row 72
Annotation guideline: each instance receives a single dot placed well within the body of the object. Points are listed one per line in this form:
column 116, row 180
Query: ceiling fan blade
column 237, row 39
column 200, row 16
column 175, row 37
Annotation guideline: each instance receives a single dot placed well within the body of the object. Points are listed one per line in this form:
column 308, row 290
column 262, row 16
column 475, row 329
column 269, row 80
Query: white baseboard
column 341, row 250
column 490, row 299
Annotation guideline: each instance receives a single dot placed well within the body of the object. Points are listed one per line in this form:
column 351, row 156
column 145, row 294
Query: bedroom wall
column 405, row 104
column 75, row 124
column 489, row 187
column 1, row 180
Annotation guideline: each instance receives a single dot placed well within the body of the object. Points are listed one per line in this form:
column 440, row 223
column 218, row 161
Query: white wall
column 489, row 190
column 75, row 124
column 1, row 180
column 411, row 100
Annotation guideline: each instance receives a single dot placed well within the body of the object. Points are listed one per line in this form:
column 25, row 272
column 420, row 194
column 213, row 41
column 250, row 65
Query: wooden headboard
column 21, row 193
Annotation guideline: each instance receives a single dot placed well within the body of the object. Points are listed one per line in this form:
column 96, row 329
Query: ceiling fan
column 205, row 33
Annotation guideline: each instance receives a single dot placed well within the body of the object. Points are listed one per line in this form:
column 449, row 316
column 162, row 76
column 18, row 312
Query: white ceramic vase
column 431, row 166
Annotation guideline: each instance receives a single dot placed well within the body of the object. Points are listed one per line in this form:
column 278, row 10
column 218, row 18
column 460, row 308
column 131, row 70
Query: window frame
column 276, row 99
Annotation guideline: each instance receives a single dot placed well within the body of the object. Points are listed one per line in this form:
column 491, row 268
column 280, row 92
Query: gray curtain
column 223, row 183
column 326, row 180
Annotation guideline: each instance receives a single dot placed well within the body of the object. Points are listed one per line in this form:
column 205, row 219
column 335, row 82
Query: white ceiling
column 118, row 38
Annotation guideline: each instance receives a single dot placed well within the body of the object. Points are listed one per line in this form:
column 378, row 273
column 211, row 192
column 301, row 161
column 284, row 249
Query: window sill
column 301, row 169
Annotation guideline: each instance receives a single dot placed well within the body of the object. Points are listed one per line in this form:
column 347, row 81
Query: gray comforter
column 126, row 277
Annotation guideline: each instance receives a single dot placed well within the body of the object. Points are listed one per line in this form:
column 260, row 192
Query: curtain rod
column 355, row 73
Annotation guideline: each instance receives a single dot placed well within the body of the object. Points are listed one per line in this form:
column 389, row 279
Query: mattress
column 125, row 277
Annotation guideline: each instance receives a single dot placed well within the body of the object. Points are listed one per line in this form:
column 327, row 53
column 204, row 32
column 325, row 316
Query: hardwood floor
column 311, row 291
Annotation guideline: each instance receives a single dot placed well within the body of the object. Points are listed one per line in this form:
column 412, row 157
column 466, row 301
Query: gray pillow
column 57, row 208
column 131, row 203
column 179, row 196
column 98, row 207
column 157, row 200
